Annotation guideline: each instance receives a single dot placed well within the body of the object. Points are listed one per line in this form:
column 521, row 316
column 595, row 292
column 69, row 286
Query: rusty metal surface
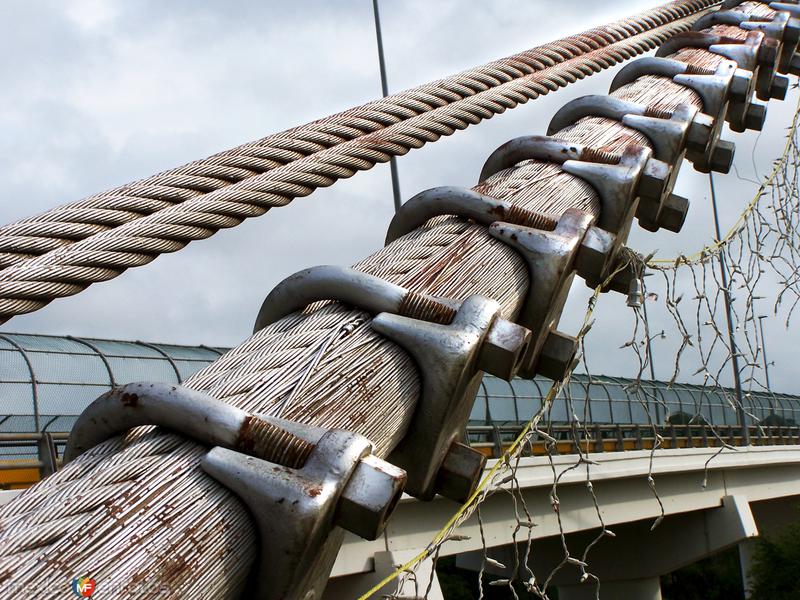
column 376, row 381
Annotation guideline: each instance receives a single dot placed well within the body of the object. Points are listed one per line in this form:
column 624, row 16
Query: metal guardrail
column 48, row 380
column 47, row 447
column 494, row 440
column 491, row 440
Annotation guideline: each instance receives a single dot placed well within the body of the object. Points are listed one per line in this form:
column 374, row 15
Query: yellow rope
column 444, row 531
column 505, row 459
column 703, row 254
column 713, row 249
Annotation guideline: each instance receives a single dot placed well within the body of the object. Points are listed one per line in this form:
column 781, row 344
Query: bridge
column 711, row 491
column 710, row 502
column 425, row 399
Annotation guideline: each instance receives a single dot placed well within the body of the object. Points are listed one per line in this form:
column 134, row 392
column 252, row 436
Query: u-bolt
column 722, row 17
column 362, row 290
column 465, row 203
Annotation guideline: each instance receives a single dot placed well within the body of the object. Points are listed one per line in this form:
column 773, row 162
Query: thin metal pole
column 729, row 314
column 764, row 349
column 385, row 90
column 772, row 403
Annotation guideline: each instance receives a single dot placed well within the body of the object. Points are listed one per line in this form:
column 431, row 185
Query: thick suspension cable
column 138, row 508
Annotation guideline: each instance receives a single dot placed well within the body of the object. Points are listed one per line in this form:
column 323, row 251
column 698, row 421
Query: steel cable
column 171, row 526
column 68, row 269
column 69, row 223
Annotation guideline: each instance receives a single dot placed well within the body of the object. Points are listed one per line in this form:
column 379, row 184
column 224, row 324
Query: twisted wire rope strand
column 28, row 286
column 69, row 223
column 446, row 257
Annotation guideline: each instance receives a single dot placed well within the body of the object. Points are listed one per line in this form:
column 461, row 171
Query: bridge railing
column 493, row 440
column 27, row 457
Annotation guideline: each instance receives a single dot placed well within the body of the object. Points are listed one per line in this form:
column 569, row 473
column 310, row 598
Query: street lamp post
column 764, row 349
column 766, row 363
column 385, row 90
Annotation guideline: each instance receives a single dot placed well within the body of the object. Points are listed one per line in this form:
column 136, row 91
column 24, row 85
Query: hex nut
column 505, row 343
column 769, row 52
column 647, row 214
column 739, row 90
column 673, row 213
column 722, row 157
column 594, row 255
column 737, row 116
column 767, row 84
column 794, row 65
column 756, row 115
column 780, row 85
column 370, row 497
column 791, row 36
column 460, row 472
column 621, row 282
column 653, row 180
column 700, row 131
column 558, row 354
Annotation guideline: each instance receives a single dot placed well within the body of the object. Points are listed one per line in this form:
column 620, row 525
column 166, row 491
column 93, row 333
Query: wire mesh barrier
column 66, row 374
column 615, row 400
column 710, row 298
column 619, row 421
column 46, row 381
column 369, row 372
column 494, row 440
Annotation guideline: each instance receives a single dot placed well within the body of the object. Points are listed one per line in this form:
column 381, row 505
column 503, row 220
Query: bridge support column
column 648, row 588
column 747, row 550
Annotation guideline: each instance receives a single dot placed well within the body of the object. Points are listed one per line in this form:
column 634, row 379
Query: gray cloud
column 98, row 93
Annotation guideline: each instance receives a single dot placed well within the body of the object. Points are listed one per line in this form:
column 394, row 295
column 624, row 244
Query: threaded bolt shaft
column 267, row 441
column 600, row 156
column 528, row 218
column 658, row 112
column 424, row 308
column 697, row 70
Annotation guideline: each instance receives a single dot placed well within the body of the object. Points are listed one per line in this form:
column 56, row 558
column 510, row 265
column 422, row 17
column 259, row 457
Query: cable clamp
column 551, row 258
column 667, row 131
column 548, row 247
column 552, row 249
column 303, row 485
column 720, row 17
column 619, row 179
column 705, row 149
column 785, row 28
column 452, row 344
column 757, row 54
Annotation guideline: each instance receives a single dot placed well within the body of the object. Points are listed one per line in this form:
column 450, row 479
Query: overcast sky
column 101, row 92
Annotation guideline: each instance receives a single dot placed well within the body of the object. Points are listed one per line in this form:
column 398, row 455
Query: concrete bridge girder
column 699, row 520
column 636, row 552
